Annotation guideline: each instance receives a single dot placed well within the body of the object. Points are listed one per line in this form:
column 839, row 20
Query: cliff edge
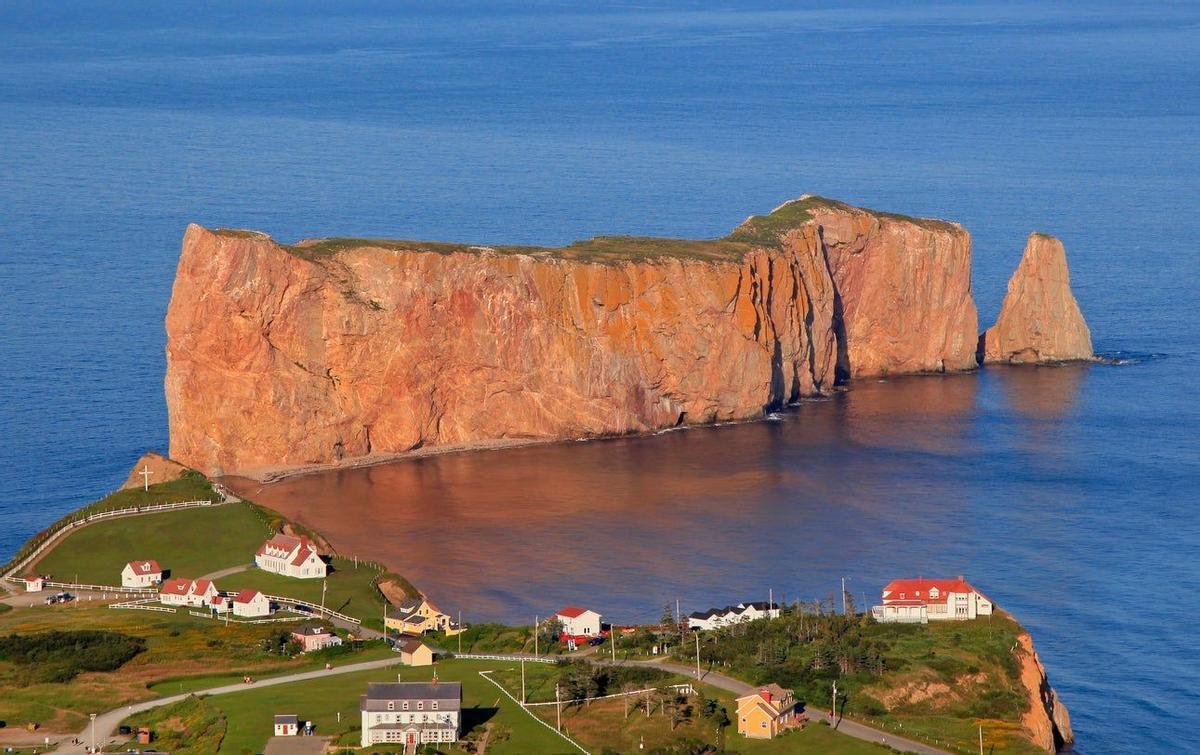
column 1047, row 722
column 1040, row 320
column 338, row 350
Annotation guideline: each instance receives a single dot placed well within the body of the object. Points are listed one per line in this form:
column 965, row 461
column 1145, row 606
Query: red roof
column 572, row 612
column 246, row 596
column 201, row 586
column 904, row 591
column 32, row 577
column 144, row 567
column 178, row 586
column 283, row 545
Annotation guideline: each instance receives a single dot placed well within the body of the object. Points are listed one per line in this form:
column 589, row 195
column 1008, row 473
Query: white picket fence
column 485, row 675
column 146, row 604
column 511, row 657
column 232, row 620
column 54, row 536
column 103, row 588
column 315, row 607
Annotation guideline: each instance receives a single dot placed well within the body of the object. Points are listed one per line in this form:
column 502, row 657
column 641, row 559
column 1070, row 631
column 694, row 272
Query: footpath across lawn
column 188, row 542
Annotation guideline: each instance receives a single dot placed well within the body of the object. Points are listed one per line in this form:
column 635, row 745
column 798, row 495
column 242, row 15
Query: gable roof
column 574, row 612
column 283, row 545
column 143, row 568
column 286, row 719
column 202, row 586
column 246, row 596
column 177, row 586
column 918, row 589
column 311, row 630
column 411, row 645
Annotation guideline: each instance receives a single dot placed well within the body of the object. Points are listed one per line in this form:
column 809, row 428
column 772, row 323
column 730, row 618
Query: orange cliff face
column 334, row 351
column 1040, row 320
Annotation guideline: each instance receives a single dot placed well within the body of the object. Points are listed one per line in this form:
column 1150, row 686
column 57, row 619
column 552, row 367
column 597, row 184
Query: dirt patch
column 160, row 467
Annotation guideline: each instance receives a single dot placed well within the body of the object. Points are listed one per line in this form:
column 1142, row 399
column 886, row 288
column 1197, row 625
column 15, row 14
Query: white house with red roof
column 251, row 604
column 919, row 601
column 290, row 556
column 197, row 593
column 579, row 622
column 141, row 574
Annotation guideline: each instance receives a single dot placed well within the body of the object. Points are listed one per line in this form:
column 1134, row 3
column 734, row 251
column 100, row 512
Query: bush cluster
column 60, row 656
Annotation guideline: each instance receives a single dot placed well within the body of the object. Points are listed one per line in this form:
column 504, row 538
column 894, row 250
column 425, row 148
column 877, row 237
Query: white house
column 918, row 601
column 174, row 592
column 197, row 593
column 291, row 557
column 411, row 713
column 720, row 617
column 141, row 574
column 287, row 726
column 579, row 622
column 251, row 604
column 34, row 583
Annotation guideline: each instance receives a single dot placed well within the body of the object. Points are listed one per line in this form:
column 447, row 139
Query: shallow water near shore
column 1070, row 495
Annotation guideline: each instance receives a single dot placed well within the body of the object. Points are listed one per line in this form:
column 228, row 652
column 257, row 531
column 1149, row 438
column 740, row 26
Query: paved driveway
column 296, row 745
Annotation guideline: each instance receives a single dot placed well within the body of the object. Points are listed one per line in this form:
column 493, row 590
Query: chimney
column 765, row 694
column 961, row 578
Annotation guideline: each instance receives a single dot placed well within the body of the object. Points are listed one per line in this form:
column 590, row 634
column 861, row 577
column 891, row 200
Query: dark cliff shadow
column 842, row 370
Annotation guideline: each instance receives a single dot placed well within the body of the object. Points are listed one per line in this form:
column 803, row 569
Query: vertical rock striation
column 1040, row 320
column 1047, row 722
column 332, row 351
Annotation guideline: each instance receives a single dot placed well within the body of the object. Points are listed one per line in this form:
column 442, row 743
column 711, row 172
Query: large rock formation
column 1040, row 320
column 339, row 350
column 158, row 467
column 1047, row 722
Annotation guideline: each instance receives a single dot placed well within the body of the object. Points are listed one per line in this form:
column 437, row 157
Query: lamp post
column 93, row 717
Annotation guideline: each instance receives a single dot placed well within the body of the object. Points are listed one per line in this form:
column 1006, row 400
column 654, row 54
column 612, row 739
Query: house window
column 433, row 705
column 405, row 705
column 762, row 724
column 391, row 705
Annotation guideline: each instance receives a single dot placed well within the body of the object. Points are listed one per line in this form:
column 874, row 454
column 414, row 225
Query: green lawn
column 249, row 714
column 349, row 591
column 189, row 543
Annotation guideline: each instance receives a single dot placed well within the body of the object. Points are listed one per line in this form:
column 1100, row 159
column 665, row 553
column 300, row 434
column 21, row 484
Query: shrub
column 60, row 656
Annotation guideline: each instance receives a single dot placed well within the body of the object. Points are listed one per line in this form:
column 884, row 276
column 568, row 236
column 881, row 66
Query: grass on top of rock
column 598, row 249
column 187, row 542
column 766, row 230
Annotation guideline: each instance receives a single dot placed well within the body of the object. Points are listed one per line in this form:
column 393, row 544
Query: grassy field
column 178, row 648
column 189, row 543
column 248, row 714
column 349, row 590
column 191, row 487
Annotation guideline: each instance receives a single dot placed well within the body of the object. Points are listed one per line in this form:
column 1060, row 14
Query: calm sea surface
column 1069, row 495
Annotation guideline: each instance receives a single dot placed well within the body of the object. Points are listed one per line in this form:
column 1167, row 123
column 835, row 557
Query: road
column 107, row 723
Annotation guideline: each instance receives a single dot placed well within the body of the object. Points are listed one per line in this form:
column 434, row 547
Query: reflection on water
column 877, row 481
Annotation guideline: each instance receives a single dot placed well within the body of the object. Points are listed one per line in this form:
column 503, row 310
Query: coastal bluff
column 341, row 351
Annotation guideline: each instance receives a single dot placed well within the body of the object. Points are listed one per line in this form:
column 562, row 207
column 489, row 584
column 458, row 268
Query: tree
column 627, row 697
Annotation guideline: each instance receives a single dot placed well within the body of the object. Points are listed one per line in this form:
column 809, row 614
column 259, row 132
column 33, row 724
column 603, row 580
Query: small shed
column 34, row 583
column 287, row 725
column 413, row 652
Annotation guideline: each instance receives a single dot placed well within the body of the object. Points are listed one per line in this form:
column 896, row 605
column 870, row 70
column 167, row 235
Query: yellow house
column 768, row 712
column 413, row 652
column 417, row 616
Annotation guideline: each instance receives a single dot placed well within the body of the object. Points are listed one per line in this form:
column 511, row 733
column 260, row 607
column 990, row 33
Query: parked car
column 596, row 641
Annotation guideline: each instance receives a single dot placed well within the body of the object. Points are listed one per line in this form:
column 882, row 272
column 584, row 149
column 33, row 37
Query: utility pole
column 697, row 654
column 145, row 473
column 612, row 640
column 843, row 596
column 523, row 698
column 677, row 611
column 460, row 631
column 557, row 709
column 324, row 585
column 833, row 710
column 981, row 740
column 535, row 625
column 93, row 717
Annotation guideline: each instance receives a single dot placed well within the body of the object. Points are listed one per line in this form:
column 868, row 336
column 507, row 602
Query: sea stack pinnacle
column 1040, row 320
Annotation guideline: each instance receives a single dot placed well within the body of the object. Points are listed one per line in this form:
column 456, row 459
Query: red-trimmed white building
column 579, row 622
column 34, row 583
column 251, row 604
column 291, row 557
column 919, row 601
column 141, row 574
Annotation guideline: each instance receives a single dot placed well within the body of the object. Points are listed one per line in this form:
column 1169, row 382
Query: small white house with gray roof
column 411, row 713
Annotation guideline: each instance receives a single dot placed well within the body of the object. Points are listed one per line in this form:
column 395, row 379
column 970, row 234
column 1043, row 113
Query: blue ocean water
column 548, row 122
